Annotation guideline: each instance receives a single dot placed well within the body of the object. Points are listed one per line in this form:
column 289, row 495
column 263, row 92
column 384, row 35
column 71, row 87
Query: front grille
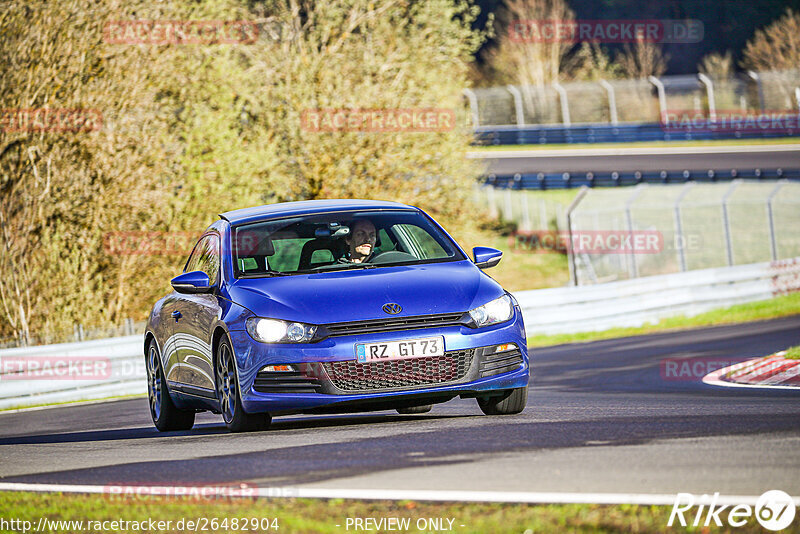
column 502, row 362
column 433, row 370
column 393, row 324
column 285, row 382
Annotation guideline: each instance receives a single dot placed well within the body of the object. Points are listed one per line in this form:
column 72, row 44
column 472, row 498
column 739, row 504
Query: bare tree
column 19, row 225
column 526, row 59
column 776, row 47
column 717, row 65
column 641, row 60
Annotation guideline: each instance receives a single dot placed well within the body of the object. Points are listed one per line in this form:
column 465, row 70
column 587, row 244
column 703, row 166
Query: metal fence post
column 473, row 104
column 573, row 273
column 754, row 75
column 526, row 214
column 638, row 190
column 679, row 226
column 543, row 224
column 726, row 221
column 562, row 97
column 712, row 106
column 518, row 109
column 773, row 243
column 662, row 98
column 612, row 101
column 492, row 202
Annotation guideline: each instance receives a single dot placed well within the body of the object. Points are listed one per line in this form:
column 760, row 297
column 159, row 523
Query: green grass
column 753, row 311
column 520, row 270
column 322, row 516
column 641, row 144
column 793, row 353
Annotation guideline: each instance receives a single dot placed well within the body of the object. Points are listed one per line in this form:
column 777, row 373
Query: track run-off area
column 607, row 417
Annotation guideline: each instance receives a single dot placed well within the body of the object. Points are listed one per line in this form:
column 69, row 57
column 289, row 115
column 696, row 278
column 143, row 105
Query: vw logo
column 392, row 309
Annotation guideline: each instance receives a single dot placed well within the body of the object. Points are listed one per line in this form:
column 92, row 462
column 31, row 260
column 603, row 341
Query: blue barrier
column 623, row 133
column 566, row 180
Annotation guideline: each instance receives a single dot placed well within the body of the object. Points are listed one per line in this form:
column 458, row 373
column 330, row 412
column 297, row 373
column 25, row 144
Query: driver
column 361, row 241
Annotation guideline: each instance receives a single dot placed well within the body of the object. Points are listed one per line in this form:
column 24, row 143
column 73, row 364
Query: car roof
column 305, row 207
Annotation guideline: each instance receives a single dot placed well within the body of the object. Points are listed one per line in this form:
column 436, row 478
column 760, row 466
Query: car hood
column 356, row 295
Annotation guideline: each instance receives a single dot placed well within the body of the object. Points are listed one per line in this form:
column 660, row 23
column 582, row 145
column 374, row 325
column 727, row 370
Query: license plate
column 399, row 350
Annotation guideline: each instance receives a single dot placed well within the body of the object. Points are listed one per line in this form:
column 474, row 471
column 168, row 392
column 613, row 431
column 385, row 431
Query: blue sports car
column 331, row 306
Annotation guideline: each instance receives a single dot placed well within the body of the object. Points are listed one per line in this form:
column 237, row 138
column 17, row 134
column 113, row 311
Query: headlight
column 497, row 311
column 275, row 331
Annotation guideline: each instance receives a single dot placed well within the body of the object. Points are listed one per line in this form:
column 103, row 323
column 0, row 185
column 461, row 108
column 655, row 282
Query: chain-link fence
column 623, row 233
column 643, row 100
column 694, row 226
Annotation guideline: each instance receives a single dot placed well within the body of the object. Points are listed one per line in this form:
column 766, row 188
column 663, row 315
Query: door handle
column 176, row 315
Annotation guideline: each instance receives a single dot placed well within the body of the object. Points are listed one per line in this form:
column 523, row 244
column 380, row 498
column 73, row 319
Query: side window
column 191, row 263
column 421, row 243
column 386, row 243
column 287, row 253
column 205, row 257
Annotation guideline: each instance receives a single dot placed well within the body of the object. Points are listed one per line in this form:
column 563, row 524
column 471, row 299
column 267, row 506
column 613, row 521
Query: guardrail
column 648, row 299
column 568, row 180
column 546, row 311
column 116, row 369
column 604, row 133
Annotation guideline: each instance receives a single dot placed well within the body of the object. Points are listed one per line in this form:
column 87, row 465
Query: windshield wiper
column 342, row 267
column 264, row 274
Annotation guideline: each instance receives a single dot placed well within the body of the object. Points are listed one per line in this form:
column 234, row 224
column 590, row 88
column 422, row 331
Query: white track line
column 74, row 403
column 422, row 495
column 713, row 378
column 631, row 151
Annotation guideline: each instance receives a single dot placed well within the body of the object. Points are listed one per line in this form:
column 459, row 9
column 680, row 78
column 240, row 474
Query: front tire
column 230, row 402
column 166, row 416
column 511, row 402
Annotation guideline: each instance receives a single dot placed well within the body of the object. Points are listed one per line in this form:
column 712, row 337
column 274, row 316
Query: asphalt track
column 601, row 417
column 648, row 159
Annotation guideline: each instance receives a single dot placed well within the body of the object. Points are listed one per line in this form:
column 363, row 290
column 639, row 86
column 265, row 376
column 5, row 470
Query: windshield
column 339, row 241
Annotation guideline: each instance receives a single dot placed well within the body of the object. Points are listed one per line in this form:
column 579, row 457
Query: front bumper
column 330, row 364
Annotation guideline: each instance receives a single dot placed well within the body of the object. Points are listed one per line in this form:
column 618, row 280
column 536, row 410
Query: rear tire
column 166, row 416
column 512, row 401
column 425, row 408
column 230, row 402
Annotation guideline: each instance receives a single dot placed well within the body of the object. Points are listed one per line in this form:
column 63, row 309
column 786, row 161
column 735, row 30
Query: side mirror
column 486, row 257
column 191, row 283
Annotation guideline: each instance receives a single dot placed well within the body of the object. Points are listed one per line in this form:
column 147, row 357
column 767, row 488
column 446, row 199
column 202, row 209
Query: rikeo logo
column 774, row 510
